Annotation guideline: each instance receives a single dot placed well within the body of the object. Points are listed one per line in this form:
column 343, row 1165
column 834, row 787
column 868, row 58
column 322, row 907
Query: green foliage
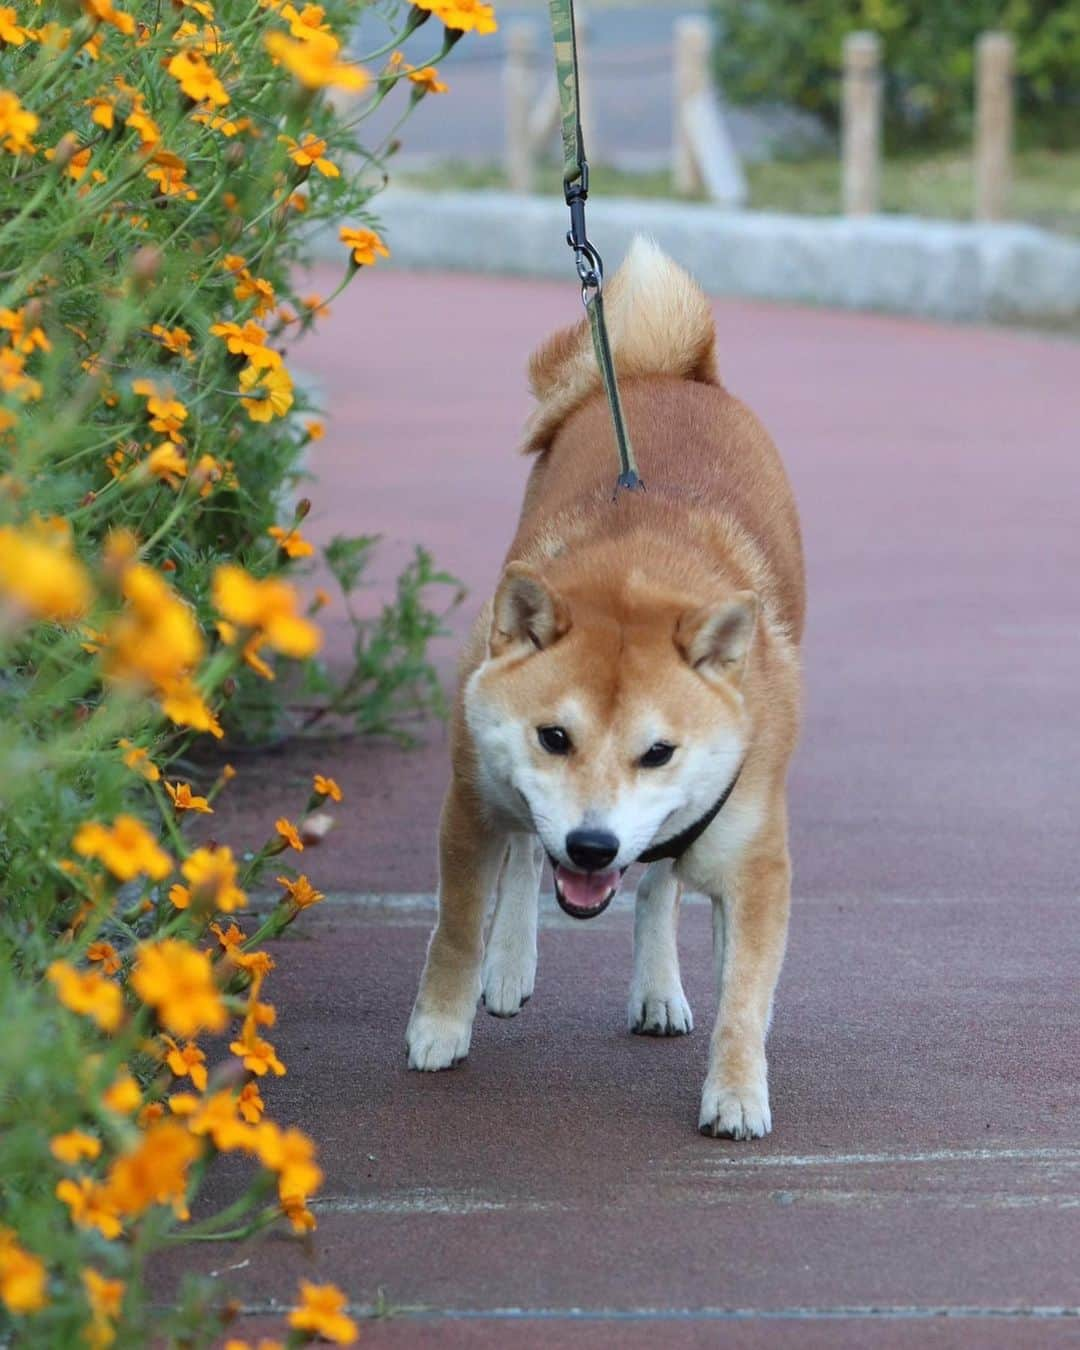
column 790, row 51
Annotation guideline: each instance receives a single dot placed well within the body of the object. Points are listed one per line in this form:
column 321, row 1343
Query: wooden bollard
column 518, row 81
column 861, row 132
column 692, row 43
column 994, row 59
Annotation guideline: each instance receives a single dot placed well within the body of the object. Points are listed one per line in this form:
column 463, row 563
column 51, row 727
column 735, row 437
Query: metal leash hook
column 590, row 270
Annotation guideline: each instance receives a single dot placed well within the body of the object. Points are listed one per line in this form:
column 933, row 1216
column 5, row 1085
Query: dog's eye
column 554, row 740
column 656, row 755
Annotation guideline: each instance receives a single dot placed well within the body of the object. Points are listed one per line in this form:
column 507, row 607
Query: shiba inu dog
column 631, row 694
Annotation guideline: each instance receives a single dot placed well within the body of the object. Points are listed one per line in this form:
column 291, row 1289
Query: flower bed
column 161, row 173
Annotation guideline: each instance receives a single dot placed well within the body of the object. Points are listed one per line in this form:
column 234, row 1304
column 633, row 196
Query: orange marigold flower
column 178, row 983
column 167, row 413
column 10, row 31
column 251, row 1104
column 366, row 245
column 290, row 1154
column 40, row 577
column 269, row 391
column 217, row 1117
column 257, row 1055
column 88, row 993
column 315, row 429
column 269, row 606
column 211, row 874
column 23, row 1277
column 321, row 1312
column 17, row 125
column 327, row 787
column 103, row 11
column 291, row 542
column 187, row 1061
column 288, row 832
column 166, row 462
column 124, row 1094
column 107, row 954
column 229, row 939
column 179, row 895
column 175, row 340
column 183, row 799
column 462, row 16
column 74, row 1146
column 195, row 76
column 316, row 64
column 106, row 1299
column 310, row 153
column 90, row 1205
column 154, row 1171
column 247, row 340
column 295, row 1209
column 427, row 79
column 138, row 759
column 127, row 848
column 301, row 892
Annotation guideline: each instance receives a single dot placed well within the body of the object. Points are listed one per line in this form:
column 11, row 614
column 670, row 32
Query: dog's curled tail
column 659, row 323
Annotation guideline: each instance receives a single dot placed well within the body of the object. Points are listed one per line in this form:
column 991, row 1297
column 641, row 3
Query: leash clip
column 590, row 266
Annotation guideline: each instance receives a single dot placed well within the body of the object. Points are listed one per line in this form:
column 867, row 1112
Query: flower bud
column 303, row 507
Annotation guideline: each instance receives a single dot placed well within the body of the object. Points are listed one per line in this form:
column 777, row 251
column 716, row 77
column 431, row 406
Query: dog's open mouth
column 584, row 895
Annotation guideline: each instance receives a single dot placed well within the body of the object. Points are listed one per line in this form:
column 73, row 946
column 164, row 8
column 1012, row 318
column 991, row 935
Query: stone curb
column 898, row 264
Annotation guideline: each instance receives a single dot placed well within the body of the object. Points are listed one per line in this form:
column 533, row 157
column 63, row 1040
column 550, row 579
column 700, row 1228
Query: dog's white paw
column 507, row 981
column 436, row 1042
column 730, row 1113
column 659, row 1012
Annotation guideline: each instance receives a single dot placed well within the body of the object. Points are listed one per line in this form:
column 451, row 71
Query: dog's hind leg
column 658, row 1006
column 509, row 970
column 470, row 853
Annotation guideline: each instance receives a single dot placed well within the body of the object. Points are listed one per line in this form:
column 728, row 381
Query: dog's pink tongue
column 585, row 890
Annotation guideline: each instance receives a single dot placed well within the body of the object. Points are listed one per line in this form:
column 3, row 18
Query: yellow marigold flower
column 187, row 1061
column 252, row 658
column 155, row 1171
column 144, row 126
column 321, row 1312
column 167, row 413
column 427, row 78
column 102, row 110
column 182, row 798
column 195, row 76
column 269, row 606
column 269, row 390
column 248, row 340
column 17, row 125
column 10, row 32
column 103, row 11
column 123, row 1095
column 139, row 759
column 166, row 462
column 301, row 892
column 107, row 955
column 88, row 993
column 296, row 1211
column 462, row 16
column 179, row 895
column 310, row 153
column 184, row 1104
column 22, row 1276
column 182, row 703
column 366, row 245
column 169, row 172
column 229, row 939
column 74, row 1146
column 288, row 832
column 249, row 287
column 327, row 787
column 23, row 339
column 90, row 1205
column 14, row 379
column 257, row 1055
column 106, row 1299
column 250, row 1103
column 316, row 64
column 291, row 1155
column 178, row 983
column 175, row 340
column 212, row 877
column 217, row 1117
column 291, row 542
column 127, row 848
column 41, row 577
column 309, row 24
column 156, row 639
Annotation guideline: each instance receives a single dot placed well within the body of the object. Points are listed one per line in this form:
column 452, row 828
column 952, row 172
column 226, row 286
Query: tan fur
column 674, row 613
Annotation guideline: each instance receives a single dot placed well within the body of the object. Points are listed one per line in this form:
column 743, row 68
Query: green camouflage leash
column 590, row 267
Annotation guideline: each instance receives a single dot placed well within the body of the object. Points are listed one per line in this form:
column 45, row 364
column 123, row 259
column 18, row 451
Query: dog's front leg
column 750, row 917
column 509, row 969
column 471, row 850
column 658, row 1006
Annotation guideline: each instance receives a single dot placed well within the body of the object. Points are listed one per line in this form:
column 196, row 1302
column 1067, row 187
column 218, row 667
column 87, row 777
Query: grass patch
column 1046, row 185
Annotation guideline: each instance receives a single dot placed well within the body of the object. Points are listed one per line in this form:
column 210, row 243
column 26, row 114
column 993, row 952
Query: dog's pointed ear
column 526, row 611
column 716, row 639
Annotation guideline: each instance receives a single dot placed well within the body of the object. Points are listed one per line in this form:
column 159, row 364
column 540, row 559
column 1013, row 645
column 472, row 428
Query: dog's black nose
column 591, row 850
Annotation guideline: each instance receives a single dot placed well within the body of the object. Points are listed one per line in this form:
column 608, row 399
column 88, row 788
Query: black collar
column 679, row 843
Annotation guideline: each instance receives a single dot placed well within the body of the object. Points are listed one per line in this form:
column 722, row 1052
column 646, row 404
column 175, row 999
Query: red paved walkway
column 926, row 1154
